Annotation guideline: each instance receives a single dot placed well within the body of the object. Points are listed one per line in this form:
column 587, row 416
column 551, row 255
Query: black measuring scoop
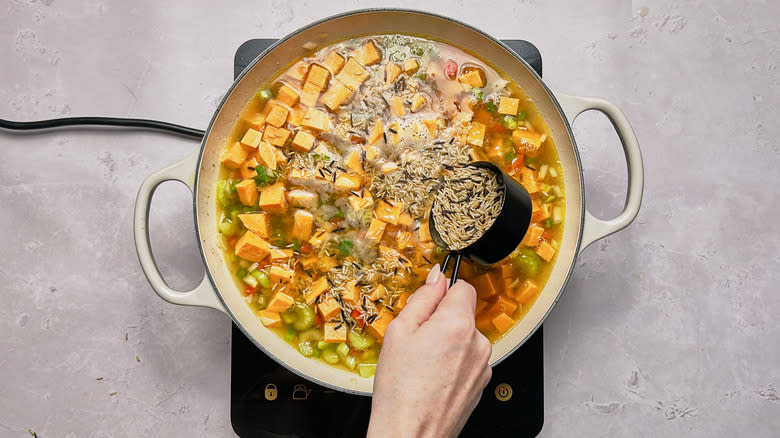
column 503, row 236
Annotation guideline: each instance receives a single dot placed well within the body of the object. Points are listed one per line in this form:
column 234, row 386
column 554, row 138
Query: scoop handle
column 203, row 294
column 594, row 228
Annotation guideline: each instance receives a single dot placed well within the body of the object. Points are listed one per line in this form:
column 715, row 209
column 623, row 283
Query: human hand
column 433, row 365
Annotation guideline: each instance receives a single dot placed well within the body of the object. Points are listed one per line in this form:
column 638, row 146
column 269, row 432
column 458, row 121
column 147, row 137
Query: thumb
column 425, row 300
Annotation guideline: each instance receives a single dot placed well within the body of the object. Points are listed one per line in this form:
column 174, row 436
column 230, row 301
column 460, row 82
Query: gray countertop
column 668, row 328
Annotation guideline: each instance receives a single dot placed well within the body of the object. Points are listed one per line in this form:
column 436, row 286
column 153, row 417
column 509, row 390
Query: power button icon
column 503, row 392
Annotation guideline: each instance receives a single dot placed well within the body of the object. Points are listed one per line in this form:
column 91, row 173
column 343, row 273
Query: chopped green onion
column 553, row 172
column 290, row 335
column 265, row 94
column 330, row 356
column 251, row 281
column 530, row 160
column 264, row 176
column 510, row 156
column 262, row 302
column 262, row 278
column 345, row 247
column 321, row 157
column 509, row 122
column 418, row 50
column 233, row 188
column 306, row 349
column 549, row 199
column 241, row 273
column 520, row 116
column 367, row 369
column 421, row 76
column 543, row 171
column 477, row 93
column 227, row 228
column 548, row 223
column 296, row 245
column 342, row 349
column 491, row 107
column 339, row 214
column 224, row 194
column 557, row 215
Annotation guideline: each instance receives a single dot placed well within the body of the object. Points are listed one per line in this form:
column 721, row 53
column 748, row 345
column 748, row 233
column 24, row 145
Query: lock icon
column 271, row 392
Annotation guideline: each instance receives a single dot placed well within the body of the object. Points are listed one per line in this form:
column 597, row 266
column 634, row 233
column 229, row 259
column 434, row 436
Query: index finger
column 460, row 298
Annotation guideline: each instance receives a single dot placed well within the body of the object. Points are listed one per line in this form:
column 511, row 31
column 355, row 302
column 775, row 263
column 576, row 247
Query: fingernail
column 433, row 275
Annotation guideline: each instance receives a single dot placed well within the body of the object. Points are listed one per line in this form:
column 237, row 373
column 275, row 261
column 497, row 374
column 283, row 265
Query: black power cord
column 103, row 121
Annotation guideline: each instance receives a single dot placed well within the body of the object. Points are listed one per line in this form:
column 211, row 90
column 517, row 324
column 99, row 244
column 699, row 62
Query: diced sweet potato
column 528, row 179
column 288, row 95
column 310, row 94
column 488, row 284
column 483, row 323
column 270, row 318
column 317, row 120
column 256, row 223
column 318, row 75
column 336, row 95
column 319, row 237
column 280, row 274
column 351, row 293
column 473, row 77
column 379, row 292
column 302, row 198
column 545, row 251
column 508, row 105
column 334, row 332
column 354, row 160
column 410, row 65
column 256, row 121
column 298, row 70
column 272, row 198
column 403, row 298
column 376, row 131
column 302, row 224
column 405, row 220
column 278, row 254
column 234, row 156
column 251, row 138
column 303, row 141
column 505, row 305
column 375, row 230
column 334, row 62
column 371, row 152
column 296, row 114
column 280, row 302
column 404, row 239
column 277, row 116
column 367, row 54
column 481, row 305
column 328, row 308
column 502, row 322
column 247, row 170
column 318, row 287
column 360, row 202
column 388, row 213
column 378, row 327
column 252, row 247
column 527, row 292
column 527, row 141
column 353, row 75
column 276, row 136
column 392, row 71
column 247, row 192
column 418, row 102
column 267, row 154
column 540, row 211
column 533, row 235
column 345, row 181
column 476, row 134
column 397, row 106
column 424, row 232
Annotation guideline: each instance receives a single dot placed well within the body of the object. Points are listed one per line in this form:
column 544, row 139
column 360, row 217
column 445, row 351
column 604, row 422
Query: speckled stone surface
column 669, row 328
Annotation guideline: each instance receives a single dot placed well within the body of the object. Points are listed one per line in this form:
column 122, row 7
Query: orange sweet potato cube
column 252, row 247
column 296, row 114
column 527, row 292
column 487, row 284
column 334, row 62
column 328, row 308
column 267, row 154
column 247, row 192
column 302, row 225
column 272, row 198
column 336, row 95
column 251, row 138
column 378, row 293
column 277, row 116
column 280, row 274
column 276, row 136
column 410, row 65
column 303, row 141
column 351, row 293
column 298, row 70
column 345, row 181
column 403, row 298
column 234, row 156
column 502, row 322
column 367, row 54
column 474, row 78
column 508, row 105
column 278, row 254
column 334, row 332
column 318, row 287
column 353, row 75
column 375, row 230
column 505, row 305
column 533, row 235
column 256, row 121
column 545, row 251
column 247, row 170
column 310, row 94
column 376, row 131
column 317, row 120
column 424, row 232
column 288, row 95
column 397, row 106
column 318, row 76
column 256, row 223
column 392, row 71
column 280, row 302
column 378, row 327
column 481, row 305
column 388, row 213
column 476, row 135
column 270, row 318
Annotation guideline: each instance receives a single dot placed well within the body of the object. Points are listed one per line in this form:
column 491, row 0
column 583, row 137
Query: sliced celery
column 367, row 369
column 321, row 345
column 290, row 335
column 330, row 356
column 361, row 342
column 313, row 335
column 251, row 281
column 289, row 316
column 342, row 349
column 306, row 348
column 304, row 316
column 262, row 278
column 349, row 361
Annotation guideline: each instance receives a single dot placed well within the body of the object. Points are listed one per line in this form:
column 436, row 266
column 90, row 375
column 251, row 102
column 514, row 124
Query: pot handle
column 203, row 294
column 595, row 229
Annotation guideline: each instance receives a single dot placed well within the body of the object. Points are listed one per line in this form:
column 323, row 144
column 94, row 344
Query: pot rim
column 302, row 29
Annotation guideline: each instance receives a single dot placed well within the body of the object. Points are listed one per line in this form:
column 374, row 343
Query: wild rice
column 466, row 205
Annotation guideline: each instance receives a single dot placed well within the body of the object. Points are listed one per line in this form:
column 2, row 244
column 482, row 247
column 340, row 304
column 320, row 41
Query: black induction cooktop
column 267, row 400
